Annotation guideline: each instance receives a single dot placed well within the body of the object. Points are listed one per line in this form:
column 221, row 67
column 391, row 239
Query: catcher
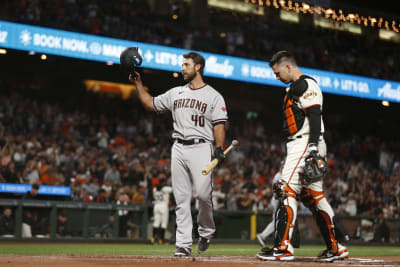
column 306, row 150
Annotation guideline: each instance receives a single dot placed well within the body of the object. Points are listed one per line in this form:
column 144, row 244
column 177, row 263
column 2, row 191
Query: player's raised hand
column 135, row 78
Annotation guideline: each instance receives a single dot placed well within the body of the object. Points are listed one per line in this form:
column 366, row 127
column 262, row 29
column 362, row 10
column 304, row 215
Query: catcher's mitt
column 315, row 168
column 130, row 58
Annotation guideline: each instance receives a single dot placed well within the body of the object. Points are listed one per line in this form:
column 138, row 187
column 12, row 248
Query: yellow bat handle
column 210, row 166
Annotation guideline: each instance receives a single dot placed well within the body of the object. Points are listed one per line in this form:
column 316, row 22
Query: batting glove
column 219, row 154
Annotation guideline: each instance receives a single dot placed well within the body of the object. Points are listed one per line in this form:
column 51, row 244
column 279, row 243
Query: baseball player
column 304, row 128
column 199, row 116
column 161, row 195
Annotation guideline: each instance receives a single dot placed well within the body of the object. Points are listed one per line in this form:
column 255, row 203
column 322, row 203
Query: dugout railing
column 87, row 221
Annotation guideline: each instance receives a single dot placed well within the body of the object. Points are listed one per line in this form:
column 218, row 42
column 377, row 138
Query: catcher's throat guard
column 315, row 168
column 130, row 58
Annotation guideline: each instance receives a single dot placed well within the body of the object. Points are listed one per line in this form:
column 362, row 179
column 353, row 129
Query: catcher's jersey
column 162, row 196
column 311, row 97
column 194, row 111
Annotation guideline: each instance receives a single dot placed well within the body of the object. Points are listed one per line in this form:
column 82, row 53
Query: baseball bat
column 214, row 162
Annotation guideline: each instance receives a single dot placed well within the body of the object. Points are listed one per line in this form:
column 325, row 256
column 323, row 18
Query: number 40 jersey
column 194, row 111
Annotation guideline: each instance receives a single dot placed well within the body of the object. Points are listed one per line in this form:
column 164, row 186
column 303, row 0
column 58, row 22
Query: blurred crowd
column 106, row 158
column 230, row 33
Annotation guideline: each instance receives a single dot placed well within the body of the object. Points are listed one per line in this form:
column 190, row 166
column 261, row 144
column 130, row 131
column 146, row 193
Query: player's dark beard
column 190, row 78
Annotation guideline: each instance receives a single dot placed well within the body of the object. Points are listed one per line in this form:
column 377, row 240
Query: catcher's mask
column 130, row 58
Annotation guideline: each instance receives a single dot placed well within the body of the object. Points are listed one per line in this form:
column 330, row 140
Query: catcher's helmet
column 130, row 58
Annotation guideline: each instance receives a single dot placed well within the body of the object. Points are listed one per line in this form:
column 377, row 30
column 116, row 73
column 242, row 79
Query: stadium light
column 306, row 6
column 329, row 13
column 43, row 57
column 3, row 51
column 385, row 103
column 175, row 75
column 31, row 53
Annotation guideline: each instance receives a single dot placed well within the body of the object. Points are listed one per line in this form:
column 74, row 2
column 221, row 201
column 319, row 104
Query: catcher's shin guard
column 284, row 225
column 296, row 236
column 281, row 218
column 323, row 214
column 280, row 224
column 332, row 230
column 327, row 229
column 341, row 233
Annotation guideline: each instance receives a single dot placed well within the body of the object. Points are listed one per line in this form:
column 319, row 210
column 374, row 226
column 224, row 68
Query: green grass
column 167, row 250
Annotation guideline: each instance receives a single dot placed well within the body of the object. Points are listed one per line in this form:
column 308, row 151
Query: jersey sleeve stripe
column 218, row 120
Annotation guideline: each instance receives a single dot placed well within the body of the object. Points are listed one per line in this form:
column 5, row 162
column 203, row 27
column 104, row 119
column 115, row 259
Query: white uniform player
column 161, row 196
column 304, row 129
column 199, row 115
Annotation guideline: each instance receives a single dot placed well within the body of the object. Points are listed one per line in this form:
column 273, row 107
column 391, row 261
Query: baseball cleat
column 343, row 254
column 182, row 252
column 276, row 255
column 203, row 244
column 329, row 256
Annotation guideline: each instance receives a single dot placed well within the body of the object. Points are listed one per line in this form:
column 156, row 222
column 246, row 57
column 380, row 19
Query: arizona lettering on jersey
column 190, row 103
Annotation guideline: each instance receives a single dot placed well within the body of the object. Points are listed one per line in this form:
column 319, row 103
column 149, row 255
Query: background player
column 199, row 116
column 304, row 129
column 161, row 195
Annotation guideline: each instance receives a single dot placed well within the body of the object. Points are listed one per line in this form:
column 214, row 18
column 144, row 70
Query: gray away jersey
column 194, row 111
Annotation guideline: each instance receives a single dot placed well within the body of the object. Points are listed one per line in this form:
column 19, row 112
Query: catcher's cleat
column 260, row 240
column 203, row 244
column 183, row 252
column 276, row 255
column 329, row 256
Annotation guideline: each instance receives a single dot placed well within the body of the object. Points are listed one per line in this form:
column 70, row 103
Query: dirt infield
column 162, row 261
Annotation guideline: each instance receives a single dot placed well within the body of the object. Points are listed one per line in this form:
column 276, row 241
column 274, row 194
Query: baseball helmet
column 130, row 58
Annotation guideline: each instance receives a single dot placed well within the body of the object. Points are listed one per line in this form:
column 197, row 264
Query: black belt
column 190, row 142
column 299, row 136
column 294, row 138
